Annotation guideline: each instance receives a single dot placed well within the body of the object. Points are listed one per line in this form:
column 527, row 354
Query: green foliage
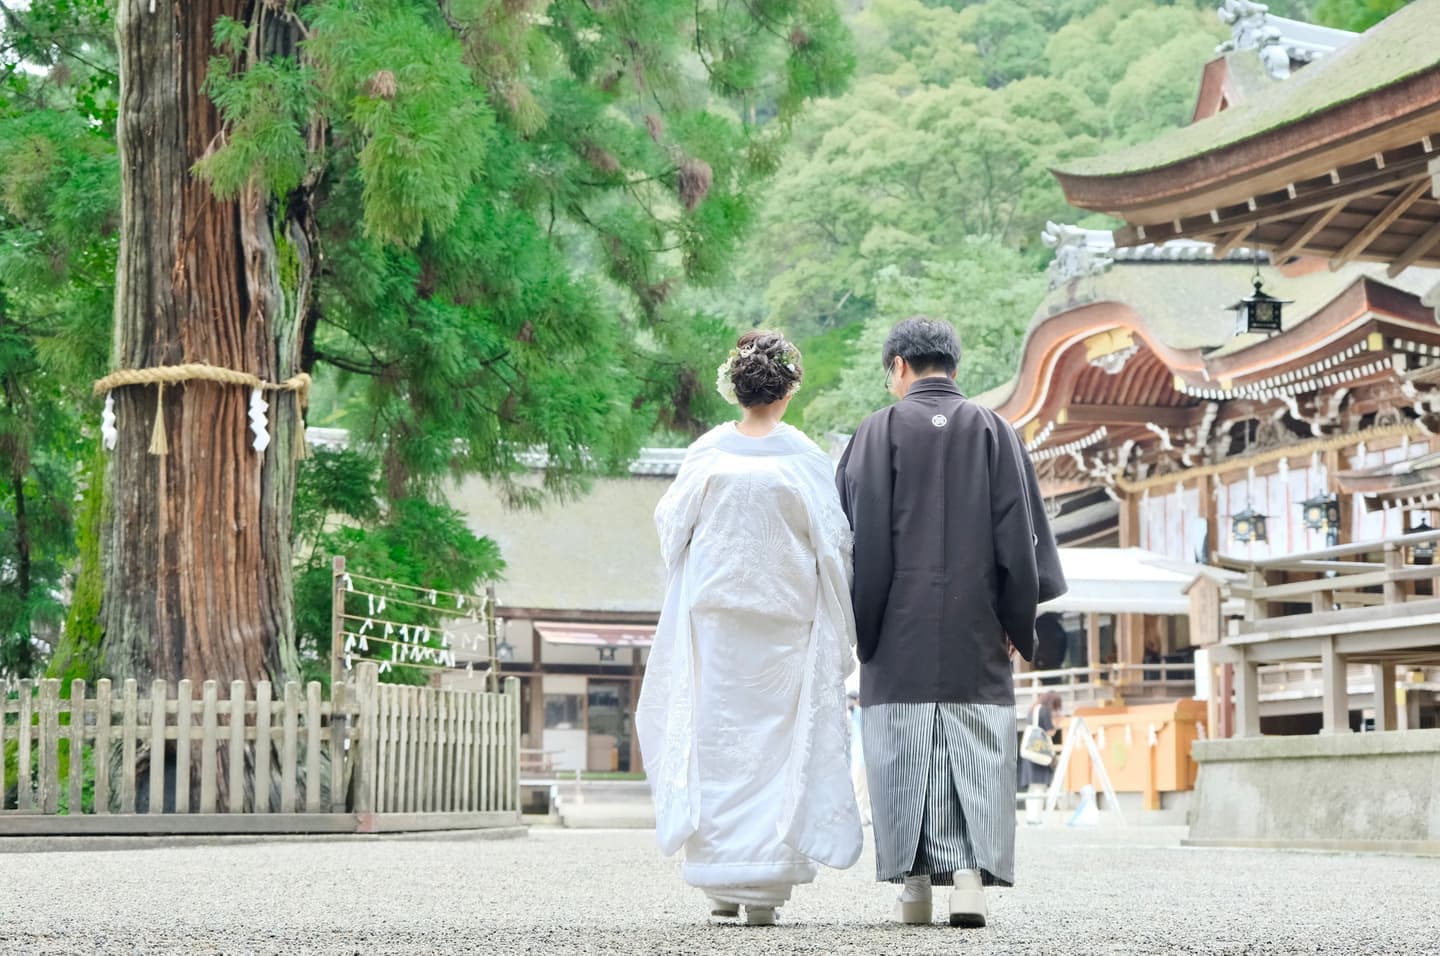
column 78, row 653
column 987, row 293
column 56, row 55
column 934, row 168
column 412, row 541
column 58, row 186
column 266, row 108
column 825, row 356
column 1355, row 15
column 418, row 123
column 510, row 218
column 57, row 254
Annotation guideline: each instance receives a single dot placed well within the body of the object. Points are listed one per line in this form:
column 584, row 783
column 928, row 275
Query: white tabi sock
column 916, row 889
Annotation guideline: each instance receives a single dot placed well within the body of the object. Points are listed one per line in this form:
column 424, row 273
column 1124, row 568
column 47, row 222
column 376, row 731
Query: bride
column 742, row 717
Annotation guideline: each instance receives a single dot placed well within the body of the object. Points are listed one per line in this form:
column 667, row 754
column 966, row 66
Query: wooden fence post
column 462, row 754
column 337, row 621
column 159, row 690
column 184, row 718
column 512, row 744
column 4, row 716
column 486, row 757
column 104, row 711
column 207, row 746
column 235, row 800
column 264, row 740
column 384, row 766
column 25, row 795
column 289, row 746
column 312, row 747
column 129, row 734
column 339, row 735
column 77, row 747
column 363, row 776
column 49, row 746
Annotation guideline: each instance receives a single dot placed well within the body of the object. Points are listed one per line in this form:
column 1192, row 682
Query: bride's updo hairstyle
column 764, row 368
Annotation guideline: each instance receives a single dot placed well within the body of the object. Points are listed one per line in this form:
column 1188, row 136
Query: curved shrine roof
column 1176, row 318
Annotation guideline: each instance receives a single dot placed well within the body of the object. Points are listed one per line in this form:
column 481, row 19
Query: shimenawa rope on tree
column 162, row 375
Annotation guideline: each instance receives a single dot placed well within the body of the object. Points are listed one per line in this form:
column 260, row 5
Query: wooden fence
column 373, row 757
column 430, row 751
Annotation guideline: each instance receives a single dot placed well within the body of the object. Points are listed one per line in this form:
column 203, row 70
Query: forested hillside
column 926, row 185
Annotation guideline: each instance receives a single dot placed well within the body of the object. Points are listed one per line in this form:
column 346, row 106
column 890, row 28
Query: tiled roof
column 1402, row 46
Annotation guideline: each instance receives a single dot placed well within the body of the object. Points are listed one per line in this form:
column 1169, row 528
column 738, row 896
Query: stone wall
column 1374, row 791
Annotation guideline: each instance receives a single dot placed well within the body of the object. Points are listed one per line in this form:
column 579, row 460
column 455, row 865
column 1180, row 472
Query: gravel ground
column 565, row 891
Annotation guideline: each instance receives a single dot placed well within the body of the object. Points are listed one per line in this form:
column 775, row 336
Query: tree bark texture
column 197, row 545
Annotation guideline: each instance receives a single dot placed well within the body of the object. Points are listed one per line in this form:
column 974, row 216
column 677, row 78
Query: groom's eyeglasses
column 890, row 376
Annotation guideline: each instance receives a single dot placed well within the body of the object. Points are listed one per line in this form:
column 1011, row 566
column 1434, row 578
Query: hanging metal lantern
column 1322, row 513
column 1259, row 311
column 1248, row 526
column 1424, row 552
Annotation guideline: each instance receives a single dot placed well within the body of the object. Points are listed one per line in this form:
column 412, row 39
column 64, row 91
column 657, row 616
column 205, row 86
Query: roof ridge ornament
column 1079, row 253
column 1250, row 30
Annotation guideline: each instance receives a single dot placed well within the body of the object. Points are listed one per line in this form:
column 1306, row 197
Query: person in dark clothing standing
column 952, row 555
column 1050, row 645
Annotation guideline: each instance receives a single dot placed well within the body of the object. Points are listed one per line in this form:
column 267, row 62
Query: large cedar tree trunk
column 197, row 542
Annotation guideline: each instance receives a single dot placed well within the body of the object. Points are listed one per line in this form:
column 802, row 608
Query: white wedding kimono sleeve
column 821, row 818
column 665, row 714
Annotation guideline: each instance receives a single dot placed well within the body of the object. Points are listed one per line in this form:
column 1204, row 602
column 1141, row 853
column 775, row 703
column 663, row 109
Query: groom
column 952, row 555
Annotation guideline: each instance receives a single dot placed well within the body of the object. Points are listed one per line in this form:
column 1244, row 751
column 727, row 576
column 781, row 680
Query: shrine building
column 1273, row 413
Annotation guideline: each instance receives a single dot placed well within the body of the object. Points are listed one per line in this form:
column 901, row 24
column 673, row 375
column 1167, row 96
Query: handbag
column 1036, row 745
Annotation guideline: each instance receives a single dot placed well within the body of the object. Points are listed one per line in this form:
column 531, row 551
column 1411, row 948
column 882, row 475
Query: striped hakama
column 942, row 790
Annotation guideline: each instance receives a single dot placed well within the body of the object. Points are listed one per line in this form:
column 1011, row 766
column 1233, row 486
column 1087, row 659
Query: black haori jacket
column 952, row 549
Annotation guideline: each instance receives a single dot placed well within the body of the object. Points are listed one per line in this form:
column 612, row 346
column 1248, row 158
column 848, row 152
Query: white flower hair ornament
column 724, row 375
column 724, row 385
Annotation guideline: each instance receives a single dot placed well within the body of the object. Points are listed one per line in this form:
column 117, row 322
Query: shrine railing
column 1091, row 686
column 1354, row 582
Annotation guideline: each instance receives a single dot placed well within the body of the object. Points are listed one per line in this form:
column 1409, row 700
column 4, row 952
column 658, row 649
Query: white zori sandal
column 913, row 906
column 759, row 916
column 722, row 910
column 967, row 900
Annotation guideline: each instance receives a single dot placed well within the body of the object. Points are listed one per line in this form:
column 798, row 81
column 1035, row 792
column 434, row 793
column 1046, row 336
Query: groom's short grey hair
column 926, row 345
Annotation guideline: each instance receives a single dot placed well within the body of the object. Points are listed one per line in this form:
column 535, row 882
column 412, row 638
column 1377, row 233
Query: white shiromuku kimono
column 742, row 718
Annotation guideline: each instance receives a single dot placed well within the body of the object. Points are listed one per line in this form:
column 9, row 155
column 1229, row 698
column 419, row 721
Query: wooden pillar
column 1092, row 639
column 1247, row 699
column 1334, row 690
column 1150, row 799
column 1225, row 709
column 1128, row 639
column 636, row 676
column 1207, row 512
column 1130, row 645
column 537, row 710
column 1386, row 717
column 1130, row 521
column 1342, row 500
column 1407, row 709
column 537, row 690
column 1394, row 562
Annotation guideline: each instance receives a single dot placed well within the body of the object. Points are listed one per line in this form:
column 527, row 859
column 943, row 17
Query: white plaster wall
column 598, row 553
